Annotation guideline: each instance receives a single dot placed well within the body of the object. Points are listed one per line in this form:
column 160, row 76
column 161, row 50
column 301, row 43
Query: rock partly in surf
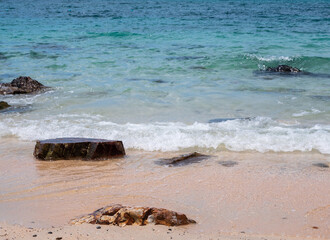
column 183, row 159
column 283, row 68
column 119, row 215
column 78, row 148
column 4, row 105
column 21, row 85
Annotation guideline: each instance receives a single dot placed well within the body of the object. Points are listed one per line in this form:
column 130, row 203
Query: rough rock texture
column 283, row 68
column 3, row 105
column 183, row 159
column 78, row 148
column 119, row 215
column 21, row 85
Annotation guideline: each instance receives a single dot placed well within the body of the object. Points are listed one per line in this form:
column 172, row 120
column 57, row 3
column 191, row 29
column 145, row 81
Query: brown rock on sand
column 119, row 215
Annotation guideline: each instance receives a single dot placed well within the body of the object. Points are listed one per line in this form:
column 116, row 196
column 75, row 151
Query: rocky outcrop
column 78, row 148
column 4, row 105
column 183, row 159
column 283, row 68
column 119, row 215
column 21, row 85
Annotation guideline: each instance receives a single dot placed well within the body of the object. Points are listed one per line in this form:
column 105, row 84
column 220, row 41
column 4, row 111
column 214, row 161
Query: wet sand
column 278, row 195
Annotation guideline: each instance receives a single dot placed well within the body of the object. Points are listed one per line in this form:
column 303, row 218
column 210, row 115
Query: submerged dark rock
column 4, row 105
column 198, row 67
column 184, row 58
column 21, row 85
column 288, row 71
column 184, row 159
column 283, row 68
column 321, row 165
column 119, row 215
column 228, row 163
column 18, row 109
column 217, row 120
column 145, row 79
column 321, row 97
column 78, row 148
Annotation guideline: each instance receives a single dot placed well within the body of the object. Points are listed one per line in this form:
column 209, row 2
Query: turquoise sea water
column 154, row 73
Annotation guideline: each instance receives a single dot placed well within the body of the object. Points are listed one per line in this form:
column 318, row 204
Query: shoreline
column 263, row 194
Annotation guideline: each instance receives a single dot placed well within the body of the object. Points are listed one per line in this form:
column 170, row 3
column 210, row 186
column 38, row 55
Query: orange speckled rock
column 119, row 215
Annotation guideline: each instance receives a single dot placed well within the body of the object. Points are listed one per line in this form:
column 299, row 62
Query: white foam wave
column 269, row 58
column 304, row 113
column 260, row 134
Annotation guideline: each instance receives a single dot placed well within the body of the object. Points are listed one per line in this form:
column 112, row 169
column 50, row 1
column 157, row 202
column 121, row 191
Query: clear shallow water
column 153, row 73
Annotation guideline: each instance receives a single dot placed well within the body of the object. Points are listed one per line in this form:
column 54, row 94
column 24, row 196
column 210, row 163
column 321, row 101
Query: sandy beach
column 86, row 232
column 271, row 195
column 245, row 83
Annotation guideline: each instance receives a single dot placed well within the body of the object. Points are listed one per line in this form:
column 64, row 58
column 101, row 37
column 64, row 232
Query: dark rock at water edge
column 283, row 68
column 120, row 215
column 228, row 163
column 18, row 109
column 4, row 105
column 21, row 85
column 321, row 165
column 78, row 148
column 184, row 159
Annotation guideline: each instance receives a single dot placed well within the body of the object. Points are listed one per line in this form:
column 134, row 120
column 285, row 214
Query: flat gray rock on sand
column 78, row 148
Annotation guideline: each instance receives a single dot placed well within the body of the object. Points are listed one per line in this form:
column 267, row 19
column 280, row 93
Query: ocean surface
column 170, row 75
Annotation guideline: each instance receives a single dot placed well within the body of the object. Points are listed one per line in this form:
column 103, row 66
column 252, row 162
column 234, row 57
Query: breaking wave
column 306, row 63
column 259, row 134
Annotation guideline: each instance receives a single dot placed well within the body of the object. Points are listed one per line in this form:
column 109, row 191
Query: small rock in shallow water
column 78, row 148
column 321, row 165
column 183, row 159
column 4, row 105
column 21, row 85
column 198, row 67
column 119, row 215
column 283, row 68
column 228, row 163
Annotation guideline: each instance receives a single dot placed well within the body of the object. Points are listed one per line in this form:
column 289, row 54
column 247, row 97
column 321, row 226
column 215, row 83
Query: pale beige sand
column 85, row 232
column 266, row 196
